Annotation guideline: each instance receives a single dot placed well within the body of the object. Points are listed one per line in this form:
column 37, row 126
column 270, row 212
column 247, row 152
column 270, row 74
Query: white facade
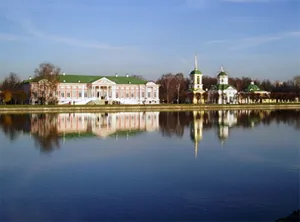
column 104, row 90
column 223, row 93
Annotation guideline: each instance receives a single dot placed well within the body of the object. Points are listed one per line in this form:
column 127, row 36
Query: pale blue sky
column 255, row 38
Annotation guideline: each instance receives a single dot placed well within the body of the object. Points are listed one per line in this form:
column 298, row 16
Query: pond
column 150, row 166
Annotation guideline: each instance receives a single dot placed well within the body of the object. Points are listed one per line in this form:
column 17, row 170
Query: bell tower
column 222, row 77
column 196, row 86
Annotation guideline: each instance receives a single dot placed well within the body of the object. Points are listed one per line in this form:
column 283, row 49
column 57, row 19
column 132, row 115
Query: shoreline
column 11, row 109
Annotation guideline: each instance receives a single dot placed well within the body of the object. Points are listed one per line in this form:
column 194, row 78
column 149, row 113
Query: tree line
column 173, row 87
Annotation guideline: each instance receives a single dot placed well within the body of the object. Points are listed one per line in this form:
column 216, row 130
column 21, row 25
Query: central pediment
column 150, row 83
column 103, row 81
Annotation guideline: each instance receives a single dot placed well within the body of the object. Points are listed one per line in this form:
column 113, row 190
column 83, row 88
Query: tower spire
column 196, row 148
column 222, row 69
column 196, row 62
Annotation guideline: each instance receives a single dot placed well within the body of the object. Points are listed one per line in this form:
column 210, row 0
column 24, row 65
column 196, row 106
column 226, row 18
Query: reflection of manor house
column 42, row 124
column 103, row 125
column 81, row 89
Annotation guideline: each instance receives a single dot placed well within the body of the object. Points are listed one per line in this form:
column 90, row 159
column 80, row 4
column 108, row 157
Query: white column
column 140, row 88
column 157, row 93
column 107, row 92
column 82, row 121
column 113, row 93
column 114, row 121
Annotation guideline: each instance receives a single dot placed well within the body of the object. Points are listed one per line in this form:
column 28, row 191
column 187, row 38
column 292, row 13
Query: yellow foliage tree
column 7, row 95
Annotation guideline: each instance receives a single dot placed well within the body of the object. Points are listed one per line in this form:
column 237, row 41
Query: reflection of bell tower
column 196, row 129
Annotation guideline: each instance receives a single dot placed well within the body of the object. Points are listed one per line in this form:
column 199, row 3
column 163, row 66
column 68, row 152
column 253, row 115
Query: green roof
column 222, row 74
column 253, row 88
column 77, row 78
column 193, row 90
column 221, row 87
column 90, row 79
column 195, row 71
column 77, row 135
column 223, row 124
column 123, row 133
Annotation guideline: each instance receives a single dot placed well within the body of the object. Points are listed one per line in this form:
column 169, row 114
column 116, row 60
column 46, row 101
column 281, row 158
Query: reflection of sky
column 252, row 176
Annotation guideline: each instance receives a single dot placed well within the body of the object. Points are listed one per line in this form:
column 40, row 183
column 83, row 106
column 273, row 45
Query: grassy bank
column 128, row 108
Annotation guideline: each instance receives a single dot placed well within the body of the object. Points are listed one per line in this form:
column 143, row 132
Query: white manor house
column 83, row 89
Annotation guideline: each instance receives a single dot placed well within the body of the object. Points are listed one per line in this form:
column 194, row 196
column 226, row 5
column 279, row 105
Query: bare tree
column 208, row 82
column 165, row 82
column 47, row 77
column 179, row 78
column 12, row 82
column 138, row 77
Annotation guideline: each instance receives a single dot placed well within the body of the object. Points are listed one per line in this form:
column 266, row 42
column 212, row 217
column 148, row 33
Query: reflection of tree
column 44, row 131
column 250, row 118
column 173, row 123
column 44, row 127
column 13, row 125
column 289, row 117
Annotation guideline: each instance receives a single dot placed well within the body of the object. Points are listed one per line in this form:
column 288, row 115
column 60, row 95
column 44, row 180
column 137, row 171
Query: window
column 143, row 94
column 74, row 94
column 149, row 94
column 68, row 95
column 198, row 79
column 132, row 95
column 117, row 94
column 155, row 94
column 80, row 94
column 62, row 94
column 85, row 94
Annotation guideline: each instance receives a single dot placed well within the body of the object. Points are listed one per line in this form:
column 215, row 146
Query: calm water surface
column 183, row 166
